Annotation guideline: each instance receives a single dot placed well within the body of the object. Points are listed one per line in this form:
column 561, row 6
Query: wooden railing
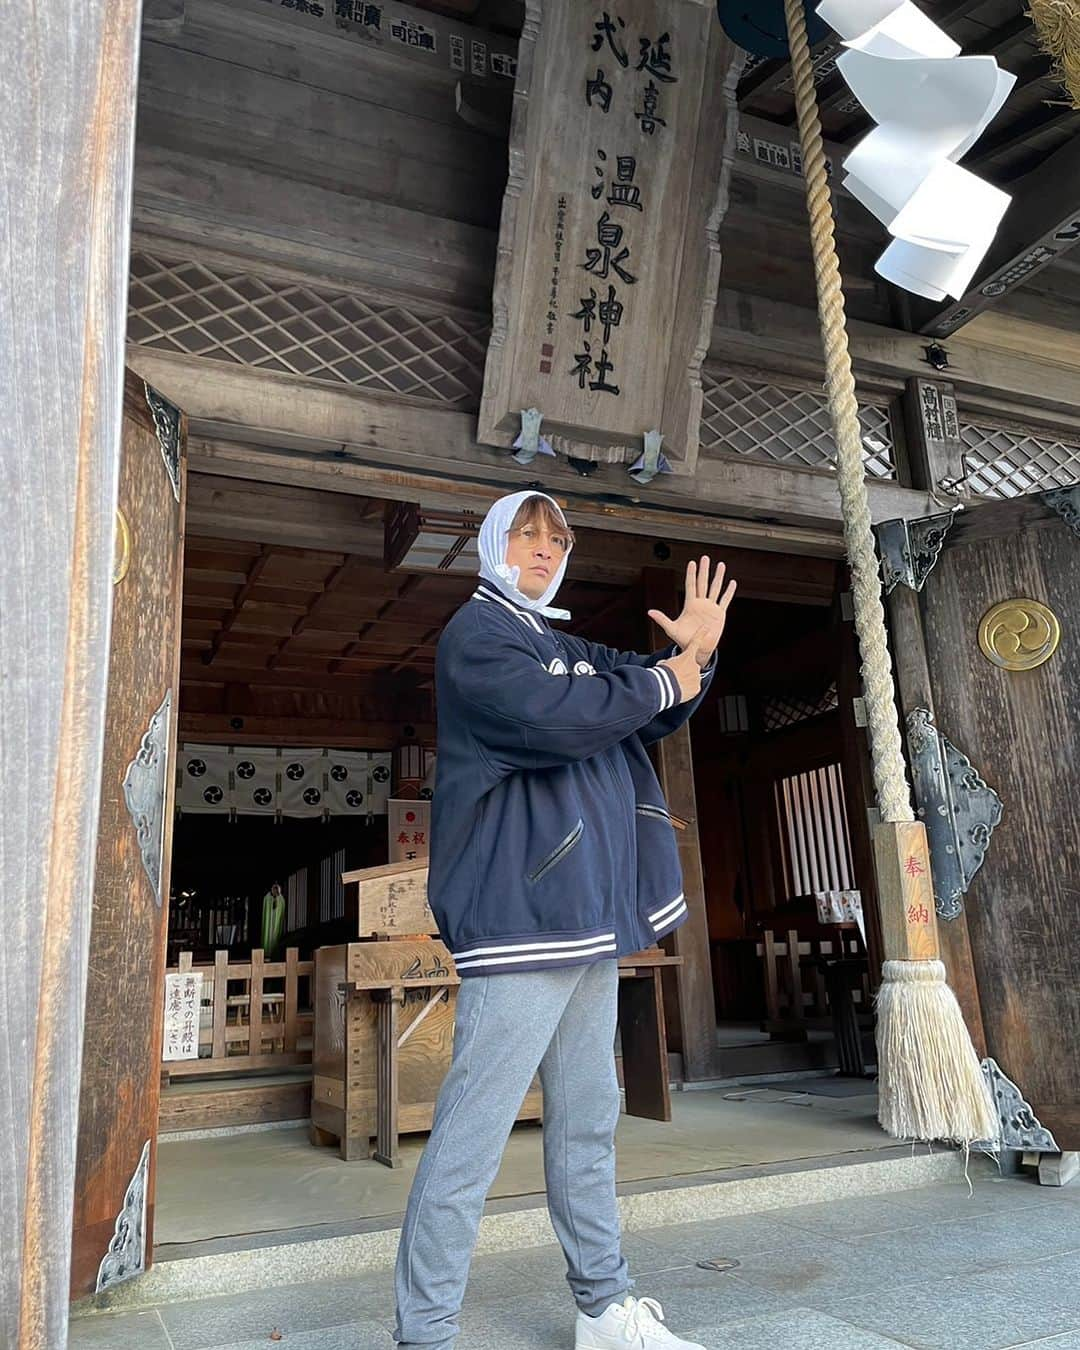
column 796, row 996
column 244, row 1024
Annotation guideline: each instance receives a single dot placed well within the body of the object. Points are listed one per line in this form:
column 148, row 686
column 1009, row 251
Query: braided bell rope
column 890, row 776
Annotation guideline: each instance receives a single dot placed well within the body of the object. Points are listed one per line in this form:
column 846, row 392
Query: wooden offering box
column 384, row 1020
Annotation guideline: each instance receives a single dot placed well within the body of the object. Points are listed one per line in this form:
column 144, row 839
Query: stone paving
column 932, row 1267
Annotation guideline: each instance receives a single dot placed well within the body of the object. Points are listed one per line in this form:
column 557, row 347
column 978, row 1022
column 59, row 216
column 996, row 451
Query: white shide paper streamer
column 931, row 105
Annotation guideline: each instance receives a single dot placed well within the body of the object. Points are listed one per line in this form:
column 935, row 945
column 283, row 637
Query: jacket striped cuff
column 669, row 917
column 670, row 693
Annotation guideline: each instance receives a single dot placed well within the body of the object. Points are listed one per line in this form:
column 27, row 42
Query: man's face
column 538, row 551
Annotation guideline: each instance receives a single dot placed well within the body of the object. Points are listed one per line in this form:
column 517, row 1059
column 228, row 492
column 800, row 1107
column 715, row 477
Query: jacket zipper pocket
column 568, row 844
column 659, row 813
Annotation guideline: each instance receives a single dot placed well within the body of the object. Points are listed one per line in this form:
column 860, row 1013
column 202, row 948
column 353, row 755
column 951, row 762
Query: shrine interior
column 316, row 228
column 293, row 651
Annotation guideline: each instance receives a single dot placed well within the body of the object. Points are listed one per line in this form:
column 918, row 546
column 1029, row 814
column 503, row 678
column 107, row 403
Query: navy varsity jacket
column 551, row 844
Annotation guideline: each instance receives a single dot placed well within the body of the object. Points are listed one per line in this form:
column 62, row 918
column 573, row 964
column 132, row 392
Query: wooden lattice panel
column 293, row 328
column 783, row 424
column 1004, row 463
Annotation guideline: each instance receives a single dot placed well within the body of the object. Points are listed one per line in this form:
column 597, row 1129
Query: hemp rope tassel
column 930, row 1083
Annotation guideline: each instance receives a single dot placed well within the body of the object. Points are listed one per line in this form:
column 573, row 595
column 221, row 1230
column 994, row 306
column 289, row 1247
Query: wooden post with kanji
column 905, row 885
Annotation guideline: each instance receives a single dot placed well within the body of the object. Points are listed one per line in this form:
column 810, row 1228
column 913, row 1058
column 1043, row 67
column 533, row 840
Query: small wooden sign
column 608, row 258
column 392, row 900
column 906, row 891
column 183, row 998
column 409, row 823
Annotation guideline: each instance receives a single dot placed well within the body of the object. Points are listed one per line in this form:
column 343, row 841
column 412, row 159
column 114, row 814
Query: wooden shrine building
column 296, row 289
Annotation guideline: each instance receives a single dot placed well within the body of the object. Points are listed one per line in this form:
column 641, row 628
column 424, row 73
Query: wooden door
column 118, row 1104
column 1014, row 950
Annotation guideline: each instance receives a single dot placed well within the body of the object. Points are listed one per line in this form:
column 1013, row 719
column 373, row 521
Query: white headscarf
column 494, row 538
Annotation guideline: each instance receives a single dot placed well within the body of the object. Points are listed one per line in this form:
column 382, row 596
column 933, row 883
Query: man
column 552, row 854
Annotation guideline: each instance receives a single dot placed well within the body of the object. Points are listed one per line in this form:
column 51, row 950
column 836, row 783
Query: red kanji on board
column 918, row 914
column 418, row 838
column 403, row 838
column 913, row 867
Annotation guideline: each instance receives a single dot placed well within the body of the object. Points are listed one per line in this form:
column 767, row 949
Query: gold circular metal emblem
column 1019, row 634
column 121, row 549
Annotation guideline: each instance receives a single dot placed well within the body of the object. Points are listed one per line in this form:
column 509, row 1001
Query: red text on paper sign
column 918, row 914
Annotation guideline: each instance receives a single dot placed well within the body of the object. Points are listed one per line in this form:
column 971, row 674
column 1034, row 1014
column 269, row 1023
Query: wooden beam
column 1005, row 339
column 258, row 567
column 194, row 673
column 338, row 576
column 68, row 107
column 292, row 515
column 1041, row 118
column 217, row 729
column 186, row 201
column 1041, row 382
column 408, row 585
column 218, row 107
column 375, row 447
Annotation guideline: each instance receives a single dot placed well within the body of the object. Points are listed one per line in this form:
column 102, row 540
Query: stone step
column 262, row 1261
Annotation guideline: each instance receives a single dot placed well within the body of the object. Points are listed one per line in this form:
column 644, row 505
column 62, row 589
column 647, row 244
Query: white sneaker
column 634, row 1324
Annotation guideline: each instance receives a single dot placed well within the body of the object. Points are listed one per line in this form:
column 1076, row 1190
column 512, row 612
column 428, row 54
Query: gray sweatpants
column 561, row 1022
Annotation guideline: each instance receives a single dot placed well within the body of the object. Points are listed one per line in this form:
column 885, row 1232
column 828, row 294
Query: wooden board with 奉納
column 609, row 260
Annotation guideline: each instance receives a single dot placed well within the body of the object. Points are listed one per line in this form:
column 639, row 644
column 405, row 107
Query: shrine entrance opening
column 306, row 711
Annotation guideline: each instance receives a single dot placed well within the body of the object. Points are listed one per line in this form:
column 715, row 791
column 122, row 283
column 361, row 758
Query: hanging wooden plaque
column 608, row 264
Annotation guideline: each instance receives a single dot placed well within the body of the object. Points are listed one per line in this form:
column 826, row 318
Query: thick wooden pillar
column 913, row 686
column 936, row 461
column 694, row 1013
column 66, row 131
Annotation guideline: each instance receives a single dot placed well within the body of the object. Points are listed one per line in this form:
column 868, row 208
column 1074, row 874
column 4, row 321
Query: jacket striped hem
column 492, row 955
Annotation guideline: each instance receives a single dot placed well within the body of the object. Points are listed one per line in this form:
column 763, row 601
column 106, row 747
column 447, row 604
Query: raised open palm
column 705, row 609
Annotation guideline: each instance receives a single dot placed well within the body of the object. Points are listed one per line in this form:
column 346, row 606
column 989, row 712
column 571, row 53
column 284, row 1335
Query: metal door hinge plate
column 909, row 548
column 958, row 809
column 1066, row 502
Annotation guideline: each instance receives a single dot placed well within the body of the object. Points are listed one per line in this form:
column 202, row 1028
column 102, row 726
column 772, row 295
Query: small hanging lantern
column 417, row 539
